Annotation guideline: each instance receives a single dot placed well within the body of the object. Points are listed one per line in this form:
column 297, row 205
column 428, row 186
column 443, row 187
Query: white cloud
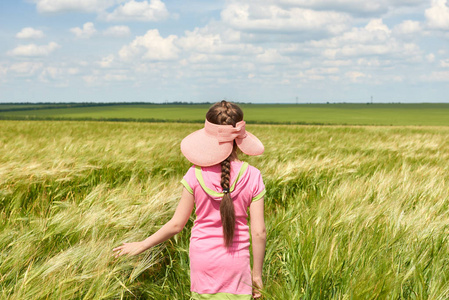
column 341, row 5
column 370, row 62
column 88, row 6
column 438, row 15
column 50, row 73
column 116, row 77
column 201, row 40
column 57, row 73
column 155, row 10
column 272, row 18
column 73, row 71
column 322, row 71
column 117, row 31
column 26, row 68
column 216, row 41
column 354, row 76
column 337, row 63
column 373, row 39
column 87, row 31
column 99, row 79
column 430, row 57
column 30, row 33
column 355, row 7
column 407, row 27
column 34, row 50
column 444, row 63
column 106, row 62
column 91, row 80
column 271, row 56
column 151, row 46
column 439, row 76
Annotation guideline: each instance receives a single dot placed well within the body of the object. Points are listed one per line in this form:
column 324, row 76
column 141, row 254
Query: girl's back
column 214, row 267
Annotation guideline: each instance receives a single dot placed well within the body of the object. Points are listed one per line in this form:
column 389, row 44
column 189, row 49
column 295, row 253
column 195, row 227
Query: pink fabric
column 214, row 143
column 226, row 133
column 213, row 268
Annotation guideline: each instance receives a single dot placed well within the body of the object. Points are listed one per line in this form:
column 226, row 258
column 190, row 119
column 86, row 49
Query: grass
column 352, row 212
column 353, row 114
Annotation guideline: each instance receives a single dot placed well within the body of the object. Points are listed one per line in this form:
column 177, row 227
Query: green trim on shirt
column 259, row 196
column 242, row 170
column 199, row 177
column 187, row 186
column 220, row 296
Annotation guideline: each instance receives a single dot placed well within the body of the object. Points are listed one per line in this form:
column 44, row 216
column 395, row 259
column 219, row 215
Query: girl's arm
column 259, row 236
column 172, row 227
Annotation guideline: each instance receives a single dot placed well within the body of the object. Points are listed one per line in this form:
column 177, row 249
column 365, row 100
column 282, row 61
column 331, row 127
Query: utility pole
column 296, row 100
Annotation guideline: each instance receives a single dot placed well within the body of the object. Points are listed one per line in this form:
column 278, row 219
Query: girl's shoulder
column 253, row 171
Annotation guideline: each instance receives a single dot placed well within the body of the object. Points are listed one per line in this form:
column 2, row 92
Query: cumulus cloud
column 272, row 18
column 438, row 15
column 86, row 32
column 117, row 31
column 91, row 80
column 216, row 41
column 106, row 62
column 439, row 76
column 354, row 7
column 154, row 10
column 51, row 73
column 354, row 76
column 116, row 77
column 30, row 33
column 430, row 57
column 272, row 56
column 34, row 50
column 57, row 72
column 99, row 79
column 88, row 6
column 407, row 27
column 151, row 46
column 341, row 5
column 373, row 39
column 26, row 68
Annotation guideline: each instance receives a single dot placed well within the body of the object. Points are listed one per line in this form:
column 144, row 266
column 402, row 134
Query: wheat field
column 352, row 212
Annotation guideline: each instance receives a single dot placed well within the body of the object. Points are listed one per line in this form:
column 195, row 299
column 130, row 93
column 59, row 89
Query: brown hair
column 226, row 113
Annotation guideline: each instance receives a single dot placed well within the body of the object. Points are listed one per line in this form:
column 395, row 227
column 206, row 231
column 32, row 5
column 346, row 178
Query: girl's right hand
column 257, row 286
column 129, row 248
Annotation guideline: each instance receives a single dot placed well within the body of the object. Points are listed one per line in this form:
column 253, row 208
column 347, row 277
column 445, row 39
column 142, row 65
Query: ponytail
column 227, row 211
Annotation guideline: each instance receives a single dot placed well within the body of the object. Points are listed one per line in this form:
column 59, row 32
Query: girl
column 222, row 188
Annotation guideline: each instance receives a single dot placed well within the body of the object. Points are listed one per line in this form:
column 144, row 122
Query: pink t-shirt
column 213, row 267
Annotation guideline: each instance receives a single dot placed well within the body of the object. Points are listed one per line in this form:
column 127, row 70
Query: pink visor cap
column 213, row 144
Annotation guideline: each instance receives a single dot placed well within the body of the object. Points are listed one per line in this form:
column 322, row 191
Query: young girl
column 222, row 188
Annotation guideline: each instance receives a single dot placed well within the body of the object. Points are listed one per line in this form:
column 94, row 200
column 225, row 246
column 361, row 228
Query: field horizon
column 390, row 114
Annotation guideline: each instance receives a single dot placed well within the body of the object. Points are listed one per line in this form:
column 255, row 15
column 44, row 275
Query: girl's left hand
column 129, row 248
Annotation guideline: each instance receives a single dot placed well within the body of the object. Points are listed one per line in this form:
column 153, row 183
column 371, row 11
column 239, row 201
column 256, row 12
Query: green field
column 352, row 212
column 352, row 114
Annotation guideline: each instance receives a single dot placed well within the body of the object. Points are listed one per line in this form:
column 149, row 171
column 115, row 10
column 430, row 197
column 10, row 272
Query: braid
column 225, row 173
column 227, row 211
column 226, row 113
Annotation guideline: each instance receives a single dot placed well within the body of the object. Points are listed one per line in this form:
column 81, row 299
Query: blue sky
column 262, row 51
